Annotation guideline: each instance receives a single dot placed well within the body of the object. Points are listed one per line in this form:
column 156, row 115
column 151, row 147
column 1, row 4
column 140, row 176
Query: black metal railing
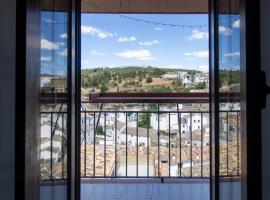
column 141, row 144
column 53, row 145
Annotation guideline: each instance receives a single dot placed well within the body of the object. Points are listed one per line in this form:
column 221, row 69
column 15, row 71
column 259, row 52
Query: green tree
column 100, row 130
column 201, row 85
column 149, row 80
column 103, row 89
column 144, row 120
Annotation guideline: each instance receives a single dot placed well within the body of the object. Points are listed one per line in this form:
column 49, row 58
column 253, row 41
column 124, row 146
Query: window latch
column 265, row 89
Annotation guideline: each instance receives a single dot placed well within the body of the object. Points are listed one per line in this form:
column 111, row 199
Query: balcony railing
column 141, row 144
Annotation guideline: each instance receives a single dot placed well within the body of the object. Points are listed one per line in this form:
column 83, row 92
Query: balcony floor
column 187, row 190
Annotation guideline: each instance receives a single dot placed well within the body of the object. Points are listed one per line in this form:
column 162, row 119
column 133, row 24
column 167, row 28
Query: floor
column 192, row 190
column 141, row 191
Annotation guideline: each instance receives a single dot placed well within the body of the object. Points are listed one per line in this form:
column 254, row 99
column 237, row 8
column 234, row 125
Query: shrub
column 149, row 80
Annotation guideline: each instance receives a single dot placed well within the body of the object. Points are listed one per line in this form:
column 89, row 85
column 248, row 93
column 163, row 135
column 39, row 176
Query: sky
column 113, row 40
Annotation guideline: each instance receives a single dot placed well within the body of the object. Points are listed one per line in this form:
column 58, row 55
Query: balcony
column 154, row 150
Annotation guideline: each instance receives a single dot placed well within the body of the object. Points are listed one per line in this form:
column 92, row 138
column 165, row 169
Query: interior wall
column 265, row 62
column 7, row 98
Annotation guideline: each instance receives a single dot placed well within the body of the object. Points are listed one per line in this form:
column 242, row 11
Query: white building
column 201, row 78
column 132, row 136
column 170, row 75
column 185, row 77
column 186, row 122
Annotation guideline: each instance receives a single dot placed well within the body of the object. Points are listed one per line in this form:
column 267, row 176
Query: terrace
column 147, row 146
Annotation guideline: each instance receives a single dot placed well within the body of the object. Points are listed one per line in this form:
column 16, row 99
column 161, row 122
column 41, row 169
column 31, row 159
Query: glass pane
column 53, row 97
column 229, row 106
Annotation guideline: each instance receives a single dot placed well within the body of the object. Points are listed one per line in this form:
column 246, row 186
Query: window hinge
column 265, row 89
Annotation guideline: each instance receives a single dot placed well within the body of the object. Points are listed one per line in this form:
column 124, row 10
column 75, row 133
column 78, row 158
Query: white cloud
column 204, row 68
column 126, row 39
column 198, row 35
column 143, row 54
column 95, row 31
column 46, row 58
column 236, row 24
column 63, row 53
column 47, row 45
column 233, row 54
column 61, row 43
column 225, row 31
column 96, row 53
column 197, row 54
column 158, row 28
column 63, row 36
column 149, row 43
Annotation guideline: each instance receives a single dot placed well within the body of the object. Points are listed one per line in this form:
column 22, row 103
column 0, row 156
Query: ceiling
column 145, row 6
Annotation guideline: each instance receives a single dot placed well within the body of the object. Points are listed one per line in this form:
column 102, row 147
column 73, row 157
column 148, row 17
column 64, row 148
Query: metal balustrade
column 139, row 144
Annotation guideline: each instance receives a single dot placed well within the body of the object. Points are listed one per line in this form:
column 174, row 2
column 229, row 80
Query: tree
column 149, row 80
column 144, row 120
column 100, row 130
column 178, row 82
column 201, row 85
column 103, row 89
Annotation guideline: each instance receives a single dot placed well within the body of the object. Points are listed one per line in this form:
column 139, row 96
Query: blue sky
column 128, row 42
column 109, row 40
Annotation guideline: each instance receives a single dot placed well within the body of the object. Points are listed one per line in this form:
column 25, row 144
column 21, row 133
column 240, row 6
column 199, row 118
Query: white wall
column 265, row 62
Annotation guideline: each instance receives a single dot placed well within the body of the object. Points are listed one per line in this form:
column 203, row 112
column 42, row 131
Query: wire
column 161, row 23
column 148, row 21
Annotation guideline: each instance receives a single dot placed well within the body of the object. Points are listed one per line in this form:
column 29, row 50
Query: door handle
column 265, row 89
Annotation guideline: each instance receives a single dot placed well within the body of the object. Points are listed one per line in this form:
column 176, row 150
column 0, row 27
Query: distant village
column 123, row 138
column 115, row 143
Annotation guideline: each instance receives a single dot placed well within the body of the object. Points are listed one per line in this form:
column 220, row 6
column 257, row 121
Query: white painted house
column 186, row 122
column 170, row 75
column 186, row 78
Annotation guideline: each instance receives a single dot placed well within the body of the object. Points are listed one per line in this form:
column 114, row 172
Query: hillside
column 133, row 79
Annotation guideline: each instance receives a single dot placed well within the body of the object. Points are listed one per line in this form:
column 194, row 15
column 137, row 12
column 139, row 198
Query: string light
column 161, row 23
column 148, row 21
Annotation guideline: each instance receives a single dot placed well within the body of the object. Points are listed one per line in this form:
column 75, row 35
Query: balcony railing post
column 84, row 143
column 180, row 140
column 237, row 135
column 137, row 145
column 201, row 145
column 148, row 147
column 105, row 127
column 191, row 160
column 94, row 127
column 51, row 146
column 169, row 145
column 126, row 143
column 158, row 132
column 62, row 146
column 227, row 142
column 115, row 145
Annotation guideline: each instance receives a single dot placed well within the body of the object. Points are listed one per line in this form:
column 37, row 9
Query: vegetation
column 201, row 85
column 149, row 80
column 178, row 82
column 99, row 76
column 146, row 79
column 100, row 130
column 144, row 119
column 160, row 89
column 229, row 77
